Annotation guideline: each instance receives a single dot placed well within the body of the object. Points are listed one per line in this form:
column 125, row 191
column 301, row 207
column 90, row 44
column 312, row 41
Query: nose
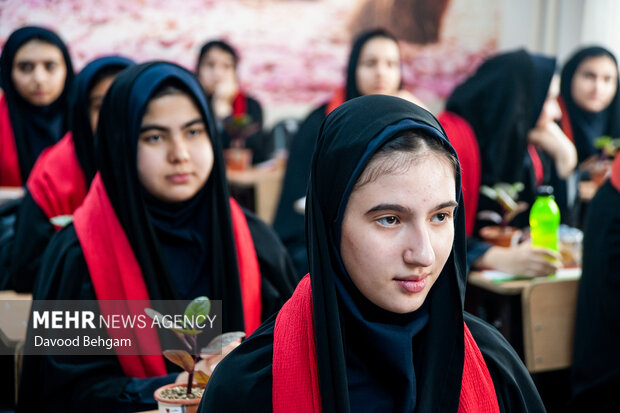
column 179, row 150
column 418, row 248
column 39, row 74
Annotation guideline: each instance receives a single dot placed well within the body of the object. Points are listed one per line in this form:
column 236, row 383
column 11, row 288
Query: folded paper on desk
column 498, row 276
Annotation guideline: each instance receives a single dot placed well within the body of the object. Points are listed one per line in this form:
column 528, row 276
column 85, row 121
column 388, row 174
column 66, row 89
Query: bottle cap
column 544, row 190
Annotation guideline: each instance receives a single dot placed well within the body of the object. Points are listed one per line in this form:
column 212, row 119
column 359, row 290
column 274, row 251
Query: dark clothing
column 289, row 222
column 429, row 342
column 596, row 359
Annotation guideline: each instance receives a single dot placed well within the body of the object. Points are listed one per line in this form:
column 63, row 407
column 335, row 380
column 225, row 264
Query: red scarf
column 615, row 173
column 463, row 139
column 116, row 275
column 565, row 120
column 336, row 100
column 240, row 104
column 537, row 163
column 57, row 183
column 10, row 174
column 295, row 374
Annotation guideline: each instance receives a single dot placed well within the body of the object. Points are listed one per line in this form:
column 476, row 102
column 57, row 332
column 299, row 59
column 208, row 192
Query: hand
column 524, row 259
column 209, row 362
column 222, row 100
column 551, row 139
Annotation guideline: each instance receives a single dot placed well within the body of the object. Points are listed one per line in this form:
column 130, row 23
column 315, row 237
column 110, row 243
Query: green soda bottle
column 545, row 219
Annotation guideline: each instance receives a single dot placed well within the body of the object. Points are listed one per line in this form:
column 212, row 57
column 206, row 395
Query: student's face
column 95, row 98
column 397, row 233
column 216, row 66
column 378, row 68
column 551, row 109
column 39, row 72
column 175, row 156
column 595, row 83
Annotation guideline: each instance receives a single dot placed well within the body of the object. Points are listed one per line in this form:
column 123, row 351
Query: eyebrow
column 162, row 128
column 400, row 208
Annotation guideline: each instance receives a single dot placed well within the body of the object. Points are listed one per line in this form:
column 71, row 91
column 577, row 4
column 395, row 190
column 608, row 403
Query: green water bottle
column 545, row 219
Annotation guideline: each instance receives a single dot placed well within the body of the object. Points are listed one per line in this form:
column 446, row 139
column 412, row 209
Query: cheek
column 442, row 245
column 202, row 153
column 148, row 163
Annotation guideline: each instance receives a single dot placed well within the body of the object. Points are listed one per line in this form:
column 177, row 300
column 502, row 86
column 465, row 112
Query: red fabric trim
column 615, row 173
column 463, row 139
column 116, row 275
column 295, row 374
column 240, row 104
column 249, row 271
column 10, row 174
column 57, row 183
column 477, row 389
column 336, row 100
column 537, row 163
column 565, row 120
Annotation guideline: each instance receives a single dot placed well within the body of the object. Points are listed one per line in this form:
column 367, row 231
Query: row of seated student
column 524, row 134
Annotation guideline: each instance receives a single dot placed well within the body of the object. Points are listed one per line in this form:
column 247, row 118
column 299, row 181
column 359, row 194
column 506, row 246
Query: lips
column 412, row 284
column 179, row 178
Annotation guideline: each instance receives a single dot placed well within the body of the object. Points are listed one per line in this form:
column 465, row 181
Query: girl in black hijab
column 36, row 76
column 510, row 104
column 61, row 176
column 373, row 68
column 157, row 224
column 378, row 324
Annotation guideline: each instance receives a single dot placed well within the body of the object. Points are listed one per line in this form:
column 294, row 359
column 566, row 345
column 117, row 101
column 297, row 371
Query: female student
column 36, row 74
column 157, row 223
column 590, row 109
column 374, row 68
column 502, row 122
column 61, row 176
column 378, row 324
column 596, row 363
column 217, row 72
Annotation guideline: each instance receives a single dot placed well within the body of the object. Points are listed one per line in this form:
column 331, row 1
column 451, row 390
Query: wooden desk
column 9, row 193
column 258, row 189
column 499, row 303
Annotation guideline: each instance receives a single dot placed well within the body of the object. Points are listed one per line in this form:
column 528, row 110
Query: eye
column 388, row 221
column 195, row 131
column 152, row 138
column 50, row 66
column 25, row 67
column 441, row 217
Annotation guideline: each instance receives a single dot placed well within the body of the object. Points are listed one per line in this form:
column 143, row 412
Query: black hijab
column 354, row 57
column 349, row 137
column 161, row 233
column 81, row 129
column 34, row 127
column 502, row 101
column 588, row 126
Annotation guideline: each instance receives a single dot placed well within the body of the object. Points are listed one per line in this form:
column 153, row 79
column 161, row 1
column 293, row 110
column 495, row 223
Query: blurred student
column 501, row 121
column 61, row 176
column 156, row 224
column 378, row 324
column 374, row 67
column 36, row 74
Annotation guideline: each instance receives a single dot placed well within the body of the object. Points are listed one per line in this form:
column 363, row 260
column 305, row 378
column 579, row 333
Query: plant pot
column 176, row 406
column 238, row 159
column 501, row 236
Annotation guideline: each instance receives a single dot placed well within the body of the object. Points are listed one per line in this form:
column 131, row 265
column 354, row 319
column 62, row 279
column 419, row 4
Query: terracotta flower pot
column 176, row 406
column 501, row 236
column 238, row 159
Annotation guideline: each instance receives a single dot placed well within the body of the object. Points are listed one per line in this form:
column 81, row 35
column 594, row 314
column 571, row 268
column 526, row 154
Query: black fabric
column 70, row 383
column 348, row 138
column 79, row 118
column 34, row 127
column 596, row 359
column 502, row 101
column 588, row 126
column 33, row 230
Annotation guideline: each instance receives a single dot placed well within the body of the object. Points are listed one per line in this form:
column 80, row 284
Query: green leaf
column 200, row 306
column 181, row 358
column 200, row 377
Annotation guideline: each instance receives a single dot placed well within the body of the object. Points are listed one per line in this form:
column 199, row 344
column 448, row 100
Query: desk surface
column 14, row 313
column 515, row 287
column 8, row 193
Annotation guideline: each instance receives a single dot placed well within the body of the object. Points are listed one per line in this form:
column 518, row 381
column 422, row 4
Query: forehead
column 219, row 55
column 379, row 46
column 38, row 50
column 602, row 63
column 170, row 108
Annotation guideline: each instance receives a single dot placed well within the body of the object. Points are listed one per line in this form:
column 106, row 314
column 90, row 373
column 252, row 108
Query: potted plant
column 505, row 195
column 239, row 128
column 599, row 166
column 186, row 397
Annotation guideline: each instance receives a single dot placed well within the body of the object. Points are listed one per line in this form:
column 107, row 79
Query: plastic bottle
column 545, row 219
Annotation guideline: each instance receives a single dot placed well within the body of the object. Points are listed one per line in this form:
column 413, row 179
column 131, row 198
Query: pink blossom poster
column 293, row 52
